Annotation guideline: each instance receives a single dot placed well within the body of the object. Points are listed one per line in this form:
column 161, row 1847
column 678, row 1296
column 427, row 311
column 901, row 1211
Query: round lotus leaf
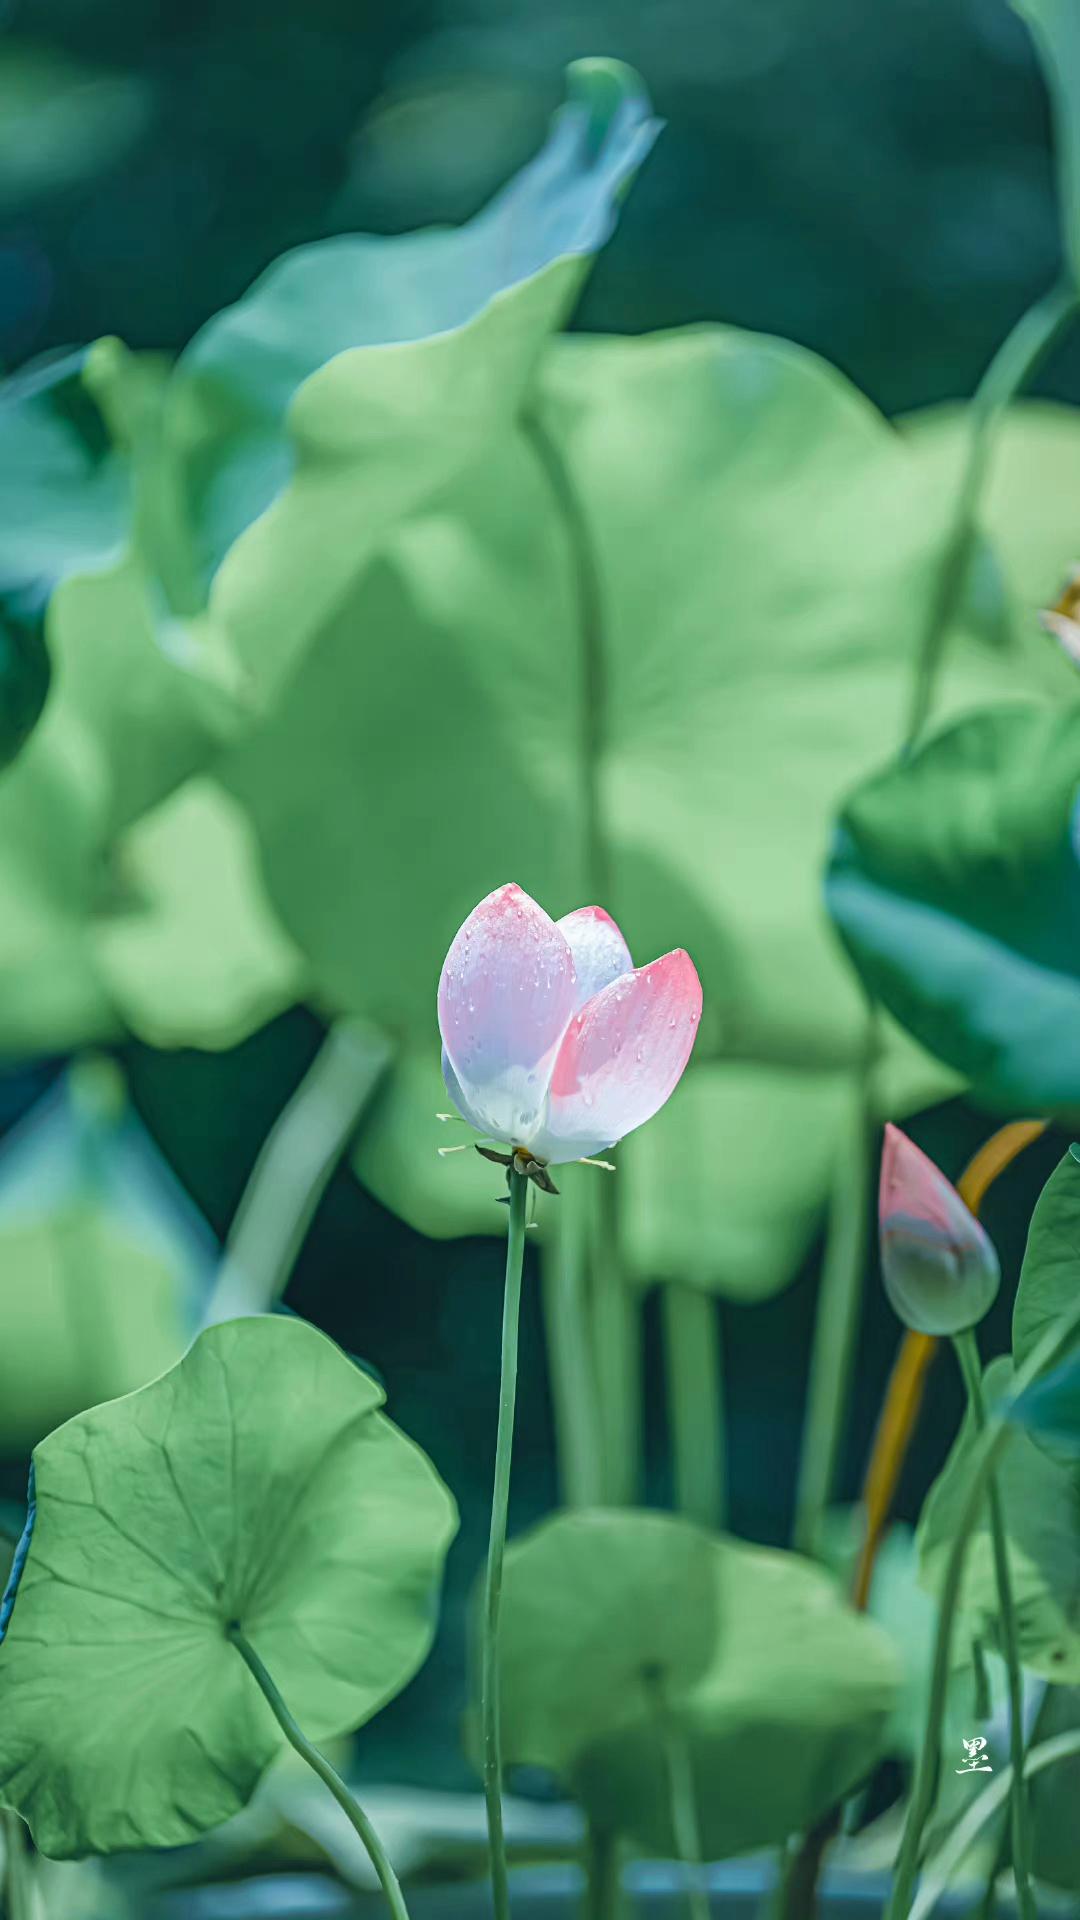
column 597, row 1606
column 790, row 1714
column 257, row 1483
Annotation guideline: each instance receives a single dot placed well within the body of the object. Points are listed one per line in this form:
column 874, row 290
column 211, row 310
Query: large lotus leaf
column 1027, row 508
column 254, row 1483
column 187, row 943
column 515, row 688
column 103, row 1262
column 1055, row 28
column 955, row 883
column 395, row 358
column 163, row 929
column 1050, row 1275
column 1041, row 1501
column 791, row 1714
column 598, row 1608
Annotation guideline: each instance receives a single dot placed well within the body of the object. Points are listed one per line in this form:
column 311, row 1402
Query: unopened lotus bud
column 939, row 1267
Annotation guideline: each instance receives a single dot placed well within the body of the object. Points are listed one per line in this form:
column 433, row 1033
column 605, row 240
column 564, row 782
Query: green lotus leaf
column 790, row 1715
column 396, row 358
column 662, row 724
column 1041, row 1500
column 257, row 1483
column 1055, row 28
column 577, row 1655
column 187, row 945
column 1054, row 1795
column 955, row 884
column 1050, row 1274
column 103, row 1260
column 1026, row 512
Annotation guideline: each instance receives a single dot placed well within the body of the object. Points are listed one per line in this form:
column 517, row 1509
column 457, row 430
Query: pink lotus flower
column 939, row 1266
column 553, row 1041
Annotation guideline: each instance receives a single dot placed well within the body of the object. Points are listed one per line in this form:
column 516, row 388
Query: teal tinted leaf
column 103, row 1260
column 1050, row 1410
column 64, row 494
column 256, row 1482
column 557, row 666
column 402, row 354
column 1050, row 1275
column 61, row 121
column 790, row 1715
column 955, row 884
column 1055, row 28
column 1041, row 1500
column 575, row 1659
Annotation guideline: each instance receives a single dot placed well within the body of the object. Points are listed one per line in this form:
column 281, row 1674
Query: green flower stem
column 564, row 1274
column 603, row 1880
column 967, row 1354
column 293, row 1168
column 995, row 1437
column 1014, row 364
column 617, row 1346
column 327, row 1774
column 684, row 1819
column 489, row 1673
column 695, row 1401
column 836, row 1326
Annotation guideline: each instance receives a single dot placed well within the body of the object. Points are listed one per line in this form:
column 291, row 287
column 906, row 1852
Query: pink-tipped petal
column 939, row 1266
column 600, row 953
column 507, row 991
column 622, row 1056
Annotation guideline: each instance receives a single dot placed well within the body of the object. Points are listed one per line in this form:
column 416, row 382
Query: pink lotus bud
column 939, row 1267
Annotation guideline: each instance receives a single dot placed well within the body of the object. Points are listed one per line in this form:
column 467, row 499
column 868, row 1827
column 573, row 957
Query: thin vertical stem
column 319, row 1764
column 489, row 1676
column 836, row 1325
column 293, row 1168
column 564, row 1275
column 967, row 1354
column 695, row 1401
column 603, row 1879
column 1013, row 365
column 617, row 1347
column 679, row 1768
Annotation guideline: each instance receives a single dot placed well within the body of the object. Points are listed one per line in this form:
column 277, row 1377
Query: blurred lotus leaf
column 1041, row 1501
column 138, row 481
column 1055, row 28
column 390, row 362
column 663, row 724
column 61, row 120
column 255, row 1482
column 104, row 1260
column 575, row 1661
column 955, row 882
column 790, row 1715
column 1027, row 509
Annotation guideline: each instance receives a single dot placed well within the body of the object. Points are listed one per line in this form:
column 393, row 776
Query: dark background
column 873, row 181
